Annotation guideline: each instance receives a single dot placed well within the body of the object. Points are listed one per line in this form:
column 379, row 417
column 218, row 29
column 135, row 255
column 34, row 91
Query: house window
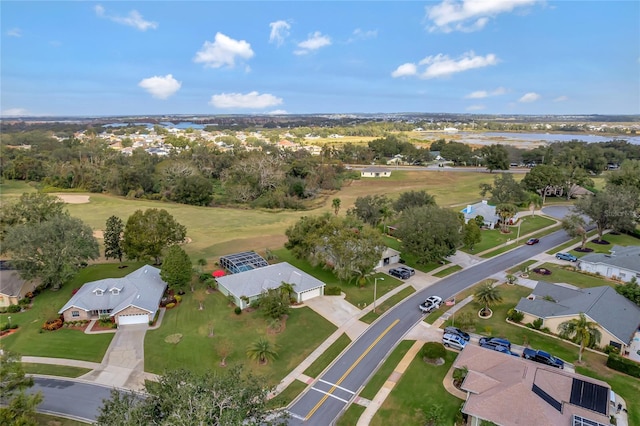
column 615, row 344
column 115, row 291
column 623, row 275
column 99, row 292
column 75, row 314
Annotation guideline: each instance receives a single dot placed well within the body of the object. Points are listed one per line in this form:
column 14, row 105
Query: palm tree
column 575, row 226
column 581, row 331
column 534, row 200
column 506, row 211
column 262, row 351
column 201, row 264
column 336, row 205
column 287, row 288
column 488, row 295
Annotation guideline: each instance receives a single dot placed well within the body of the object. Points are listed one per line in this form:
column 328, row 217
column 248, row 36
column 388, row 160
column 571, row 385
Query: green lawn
column 47, row 420
column 419, row 389
column 508, row 247
column 285, row 397
column 390, row 364
column 54, row 370
column 387, row 304
column 327, row 356
column 448, row 271
column 351, row 416
column 561, row 275
column 493, row 237
column 620, row 240
column 304, row 331
column 65, row 342
column 521, row 267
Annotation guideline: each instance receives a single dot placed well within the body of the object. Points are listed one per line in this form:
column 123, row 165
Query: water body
column 527, row 139
column 167, row 125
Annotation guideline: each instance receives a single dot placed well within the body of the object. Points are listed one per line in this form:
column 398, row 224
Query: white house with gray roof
column 133, row 299
column 488, row 213
column 617, row 317
column 623, row 263
column 247, row 286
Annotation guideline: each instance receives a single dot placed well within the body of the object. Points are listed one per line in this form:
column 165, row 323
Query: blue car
column 495, row 341
column 566, row 256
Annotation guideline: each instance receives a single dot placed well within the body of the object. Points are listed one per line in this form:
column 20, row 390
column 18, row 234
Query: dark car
column 542, row 357
column 457, row 332
column 532, row 241
column 495, row 341
column 566, row 256
column 398, row 273
column 498, row 348
column 411, row 271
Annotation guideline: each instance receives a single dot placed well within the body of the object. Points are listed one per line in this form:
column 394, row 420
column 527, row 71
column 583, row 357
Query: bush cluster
column 433, row 350
column 52, row 325
column 515, row 316
column 170, row 305
column 623, row 365
column 12, row 309
column 237, row 310
column 332, row 291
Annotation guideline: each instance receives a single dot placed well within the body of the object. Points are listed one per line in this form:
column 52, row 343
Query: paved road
column 323, row 402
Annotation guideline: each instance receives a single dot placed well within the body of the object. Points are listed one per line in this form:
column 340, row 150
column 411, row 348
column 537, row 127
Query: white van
column 453, row 341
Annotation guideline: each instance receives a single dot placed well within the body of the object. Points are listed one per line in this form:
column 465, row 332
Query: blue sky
column 301, row 57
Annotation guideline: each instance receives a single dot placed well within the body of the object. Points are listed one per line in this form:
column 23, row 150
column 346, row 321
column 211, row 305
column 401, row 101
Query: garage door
column 133, row 319
column 309, row 294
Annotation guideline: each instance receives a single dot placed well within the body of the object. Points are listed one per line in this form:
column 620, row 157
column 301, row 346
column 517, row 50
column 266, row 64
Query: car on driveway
column 458, row 332
column 566, row 256
column 398, row 273
column 542, row 357
column 532, row 241
column 430, row 304
column 498, row 348
column 411, row 271
column 451, row 340
column 495, row 341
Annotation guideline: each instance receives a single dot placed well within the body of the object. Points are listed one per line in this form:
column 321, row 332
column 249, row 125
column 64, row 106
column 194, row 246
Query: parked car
column 566, row 256
column 542, row 357
column 398, row 273
column 498, row 348
column 411, row 271
column 453, row 341
column 430, row 304
column 496, row 341
column 532, row 241
column 457, row 331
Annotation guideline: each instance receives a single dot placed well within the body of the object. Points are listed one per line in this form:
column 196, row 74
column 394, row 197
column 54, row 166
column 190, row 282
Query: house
column 623, row 263
column 389, row 256
column 247, row 286
column 375, row 172
column 133, row 299
column 396, row 160
column 511, row 391
column 617, row 317
column 488, row 213
column 12, row 286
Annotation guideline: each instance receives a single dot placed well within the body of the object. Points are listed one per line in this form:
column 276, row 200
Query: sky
column 110, row 58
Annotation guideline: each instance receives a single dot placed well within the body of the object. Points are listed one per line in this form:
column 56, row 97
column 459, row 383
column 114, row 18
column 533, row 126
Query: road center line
column 339, row 387
column 350, row 369
column 331, row 395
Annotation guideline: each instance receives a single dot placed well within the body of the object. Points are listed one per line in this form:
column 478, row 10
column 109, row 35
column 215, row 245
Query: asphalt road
column 324, row 401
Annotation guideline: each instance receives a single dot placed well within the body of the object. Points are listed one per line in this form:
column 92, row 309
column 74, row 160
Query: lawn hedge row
column 624, row 365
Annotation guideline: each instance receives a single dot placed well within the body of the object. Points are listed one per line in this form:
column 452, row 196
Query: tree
column 287, row 288
column 534, row 201
column 187, row 398
column 113, row 238
column 195, row 190
column 274, row 303
column 496, row 157
column 52, row 250
column 542, row 179
column 488, row 296
column 335, row 204
column 506, row 211
column 503, row 190
column 16, row 407
column 147, row 233
column 200, row 295
column 430, row 233
column 630, row 290
column 580, row 331
column 472, row 234
column 371, row 209
column 176, row 268
column 572, row 178
column 410, row 199
column 201, row 264
column 262, row 351
column 614, row 208
column 33, row 207
column 575, row 226
column 457, row 152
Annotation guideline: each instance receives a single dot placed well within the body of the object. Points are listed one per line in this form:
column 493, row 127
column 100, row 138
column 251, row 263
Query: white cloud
column 223, row 51
column 442, row 66
column 133, row 19
column 405, row 70
column 469, row 15
column 561, row 99
column 252, row 100
column 279, row 31
column 277, row 112
column 314, row 42
column 161, row 87
column 475, row 107
column 529, row 97
column 14, row 32
column 360, row 34
column 15, row 112
column 480, row 94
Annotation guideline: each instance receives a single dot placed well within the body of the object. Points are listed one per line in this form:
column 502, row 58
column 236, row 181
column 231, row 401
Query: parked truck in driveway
column 542, row 357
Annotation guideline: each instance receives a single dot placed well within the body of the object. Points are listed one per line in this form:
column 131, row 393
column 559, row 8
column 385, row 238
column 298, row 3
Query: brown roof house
column 512, row 391
column 133, row 299
column 12, row 286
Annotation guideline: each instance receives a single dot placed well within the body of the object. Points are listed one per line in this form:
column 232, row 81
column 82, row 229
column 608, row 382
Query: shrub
column 24, row 301
column 623, row 365
column 237, row 310
column 178, row 299
column 333, row 291
column 12, row 309
column 170, row 305
column 610, row 349
column 204, row 277
column 515, row 316
column 52, row 325
column 537, row 323
column 255, row 303
column 433, row 350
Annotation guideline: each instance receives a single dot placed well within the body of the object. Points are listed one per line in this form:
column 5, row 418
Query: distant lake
column 166, row 124
column 488, row 138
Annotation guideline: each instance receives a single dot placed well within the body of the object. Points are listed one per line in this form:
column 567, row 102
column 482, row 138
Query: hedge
column 624, row 365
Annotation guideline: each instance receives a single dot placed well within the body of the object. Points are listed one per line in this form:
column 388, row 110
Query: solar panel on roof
column 590, row 396
column 547, row 398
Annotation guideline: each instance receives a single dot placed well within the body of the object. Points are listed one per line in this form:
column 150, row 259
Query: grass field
column 47, row 420
column 448, row 271
column 521, row 267
column 327, row 356
column 351, row 416
column 507, row 247
column 383, row 307
column 389, row 365
column 285, row 397
column 561, row 275
column 620, row 240
column 54, row 370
